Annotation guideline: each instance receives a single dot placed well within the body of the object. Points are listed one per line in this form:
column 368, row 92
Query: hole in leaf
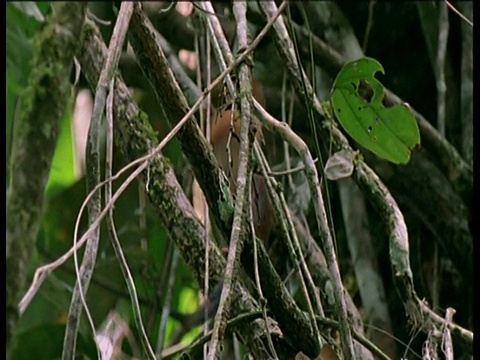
column 377, row 121
column 365, row 91
column 387, row 103
column 339, row 110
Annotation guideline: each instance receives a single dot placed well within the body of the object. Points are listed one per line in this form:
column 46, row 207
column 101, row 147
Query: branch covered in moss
column 154, row 64
column 211, row 179
column 34, row 144
column 135, row 137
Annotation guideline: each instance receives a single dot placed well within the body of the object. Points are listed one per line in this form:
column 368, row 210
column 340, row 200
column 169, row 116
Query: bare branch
column 241, row 201
column 278, row 304
column 84, row 274
column 303, row 86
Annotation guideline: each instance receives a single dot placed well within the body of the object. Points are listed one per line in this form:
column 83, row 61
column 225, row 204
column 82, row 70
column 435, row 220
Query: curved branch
column 303, row 86
column 365, row 177
column 408, row 182
column 446, row 157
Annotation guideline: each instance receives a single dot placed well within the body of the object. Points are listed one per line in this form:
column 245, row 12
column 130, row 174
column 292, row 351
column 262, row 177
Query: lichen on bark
column 34, row 144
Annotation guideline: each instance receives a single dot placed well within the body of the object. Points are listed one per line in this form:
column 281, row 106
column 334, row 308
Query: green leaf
column 63, row 173
column 22, row 25
column 30, row 8
column 357, row 96
column 45, row 343
column 188, row 304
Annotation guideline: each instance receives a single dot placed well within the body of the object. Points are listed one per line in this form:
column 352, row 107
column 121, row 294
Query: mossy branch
column 135, row 137
column 34, row 144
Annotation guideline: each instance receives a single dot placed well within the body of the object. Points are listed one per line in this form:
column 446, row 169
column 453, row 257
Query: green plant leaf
column 357, row 96
column 63, row 173
column 21, row 28
column 30, row 8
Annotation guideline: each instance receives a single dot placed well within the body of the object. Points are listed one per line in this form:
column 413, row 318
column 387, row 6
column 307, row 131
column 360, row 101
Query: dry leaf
column 327, row 353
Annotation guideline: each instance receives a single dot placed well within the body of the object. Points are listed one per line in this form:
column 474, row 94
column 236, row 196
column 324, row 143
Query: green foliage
column 63, row 173
column 357, row 99
column 21, row 27
column 187, row 304
column 45, row 343
column 23, row 22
